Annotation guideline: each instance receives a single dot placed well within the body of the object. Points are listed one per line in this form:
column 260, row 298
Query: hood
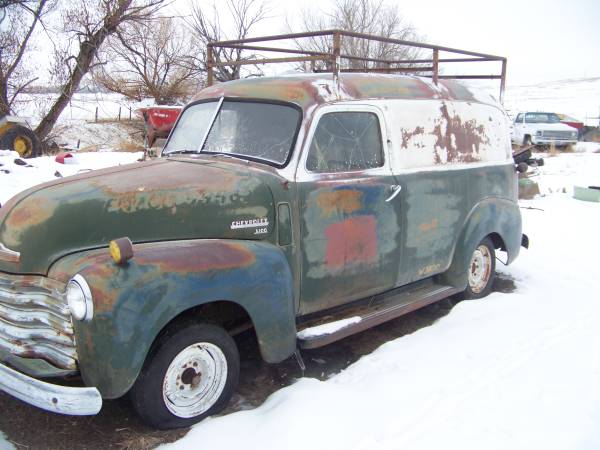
column 553, row 127
column 167, row 199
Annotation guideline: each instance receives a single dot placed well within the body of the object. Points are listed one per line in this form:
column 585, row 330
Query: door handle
column 395, row 188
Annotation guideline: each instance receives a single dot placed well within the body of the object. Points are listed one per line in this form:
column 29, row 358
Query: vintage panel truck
column 279, row 204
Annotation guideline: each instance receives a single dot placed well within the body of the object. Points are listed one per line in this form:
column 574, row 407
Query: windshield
column 541, row 118
column 191, row 128
column 255, row 130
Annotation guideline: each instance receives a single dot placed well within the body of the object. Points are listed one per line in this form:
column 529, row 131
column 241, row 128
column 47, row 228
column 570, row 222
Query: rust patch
column 339, row 201
column 352, row 241
column 196, row 258
column 428, row 226
column 461, row 140
column 29, row 213
column 408, row 135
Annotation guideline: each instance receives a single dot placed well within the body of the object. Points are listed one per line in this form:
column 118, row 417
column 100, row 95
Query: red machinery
column 158, row 121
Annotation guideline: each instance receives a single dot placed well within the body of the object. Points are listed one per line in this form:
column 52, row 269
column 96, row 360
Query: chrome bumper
column 73, row 401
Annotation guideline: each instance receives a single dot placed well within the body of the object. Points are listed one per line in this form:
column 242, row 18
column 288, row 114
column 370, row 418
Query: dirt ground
column 117, row 426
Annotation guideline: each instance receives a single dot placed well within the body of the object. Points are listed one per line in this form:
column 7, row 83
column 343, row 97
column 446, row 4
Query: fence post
column 130, row 113
column 96, row 114
column 119, row 113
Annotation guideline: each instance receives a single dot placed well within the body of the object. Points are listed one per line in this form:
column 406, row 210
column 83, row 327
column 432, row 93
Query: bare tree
column 88, row 23
column 18, row 20
column 209, row 27
column 150, row 60
column 361, row 16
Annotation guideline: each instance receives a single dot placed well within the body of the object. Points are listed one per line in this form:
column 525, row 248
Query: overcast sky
column 543, row 40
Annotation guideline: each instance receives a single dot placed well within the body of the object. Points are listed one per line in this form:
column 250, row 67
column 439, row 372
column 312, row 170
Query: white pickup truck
column 542, row 128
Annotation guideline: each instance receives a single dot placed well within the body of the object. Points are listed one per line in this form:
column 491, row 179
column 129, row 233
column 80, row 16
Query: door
column 350, row 234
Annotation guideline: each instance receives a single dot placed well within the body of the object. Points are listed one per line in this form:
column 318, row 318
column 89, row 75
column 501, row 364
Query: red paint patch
column 352, row 241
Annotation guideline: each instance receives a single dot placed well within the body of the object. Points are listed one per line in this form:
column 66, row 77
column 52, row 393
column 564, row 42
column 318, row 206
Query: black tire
column 527, row 140
column 473, row 290
column 21, row 140
column 147, row 393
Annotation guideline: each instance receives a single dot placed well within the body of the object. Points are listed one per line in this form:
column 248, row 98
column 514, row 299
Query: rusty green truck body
column 263, row 238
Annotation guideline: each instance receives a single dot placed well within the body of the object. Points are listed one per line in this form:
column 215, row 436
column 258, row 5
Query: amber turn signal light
column 121, row 250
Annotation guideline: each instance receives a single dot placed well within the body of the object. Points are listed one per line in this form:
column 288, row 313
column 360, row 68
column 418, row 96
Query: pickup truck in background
column 542, row 128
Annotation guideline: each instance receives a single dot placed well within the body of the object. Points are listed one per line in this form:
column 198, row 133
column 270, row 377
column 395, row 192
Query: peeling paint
column 340, row 201
column 459, row 140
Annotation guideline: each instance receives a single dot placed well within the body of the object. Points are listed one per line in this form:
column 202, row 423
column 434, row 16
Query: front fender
column 491, row 215
column 134, row 302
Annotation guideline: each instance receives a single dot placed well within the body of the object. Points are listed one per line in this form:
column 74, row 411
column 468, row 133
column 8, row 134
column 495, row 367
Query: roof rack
column 334, row 60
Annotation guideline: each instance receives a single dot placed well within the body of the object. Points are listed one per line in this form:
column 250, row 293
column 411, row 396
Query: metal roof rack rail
column 429, row 67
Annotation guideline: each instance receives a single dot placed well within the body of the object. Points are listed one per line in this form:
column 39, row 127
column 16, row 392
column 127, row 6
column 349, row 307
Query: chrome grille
column 556, row 134
column 35, row 322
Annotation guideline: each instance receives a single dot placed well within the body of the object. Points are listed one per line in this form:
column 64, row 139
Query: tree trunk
column 85, row 58
column 84, row 61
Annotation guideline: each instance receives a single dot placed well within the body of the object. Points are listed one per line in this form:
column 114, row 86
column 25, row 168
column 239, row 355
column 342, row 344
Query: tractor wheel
column 21, row 140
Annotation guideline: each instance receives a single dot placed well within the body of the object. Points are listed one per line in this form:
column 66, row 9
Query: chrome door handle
column 395, row 188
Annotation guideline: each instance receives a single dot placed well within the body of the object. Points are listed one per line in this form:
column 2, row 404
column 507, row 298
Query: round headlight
column 79, row 298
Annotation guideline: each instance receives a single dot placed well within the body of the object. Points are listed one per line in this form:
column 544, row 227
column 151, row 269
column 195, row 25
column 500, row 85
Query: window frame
column 384, row 169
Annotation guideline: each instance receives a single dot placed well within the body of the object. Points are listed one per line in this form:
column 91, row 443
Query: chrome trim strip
column 73, row 401
column 6, row 254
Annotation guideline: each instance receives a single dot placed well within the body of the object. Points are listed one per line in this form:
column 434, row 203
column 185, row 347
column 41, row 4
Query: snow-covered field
column 16, row 177
column 76, row 127
column 579, row 98
column 512, row 371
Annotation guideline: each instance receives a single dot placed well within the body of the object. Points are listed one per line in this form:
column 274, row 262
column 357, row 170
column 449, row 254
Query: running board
column 383, row 308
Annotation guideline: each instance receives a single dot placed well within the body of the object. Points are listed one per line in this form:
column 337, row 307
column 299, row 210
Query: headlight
column 574, row 133
column 79, row 298
column 538, row 133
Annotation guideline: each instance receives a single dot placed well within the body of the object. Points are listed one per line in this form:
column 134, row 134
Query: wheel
column 22, row 140
column 482, row 271
column 527, row 140
column 189, row 374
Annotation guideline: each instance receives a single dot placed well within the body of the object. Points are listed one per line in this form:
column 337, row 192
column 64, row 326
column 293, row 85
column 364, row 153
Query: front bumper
column 74, row 401
column 539, row 140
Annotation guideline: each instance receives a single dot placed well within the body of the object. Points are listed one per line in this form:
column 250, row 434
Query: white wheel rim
column 195, row 380
column 480, row 269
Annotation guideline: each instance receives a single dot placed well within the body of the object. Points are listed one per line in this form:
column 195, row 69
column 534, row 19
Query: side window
column 519, row 118
column 344, row 142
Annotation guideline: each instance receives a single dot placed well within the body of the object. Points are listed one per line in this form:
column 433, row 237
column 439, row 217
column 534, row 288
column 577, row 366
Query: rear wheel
column 189, row 375
column 21, row 140
column 481, row 271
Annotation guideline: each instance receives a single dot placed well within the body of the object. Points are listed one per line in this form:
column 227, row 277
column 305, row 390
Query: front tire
column 189, row 374
column 481, row 271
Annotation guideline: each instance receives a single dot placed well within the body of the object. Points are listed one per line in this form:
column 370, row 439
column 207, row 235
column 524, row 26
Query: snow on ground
column 15, row 178
column 513, row 371
column 4, row 444
column 327, row 328
column 84, row 135
column 558, row 172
